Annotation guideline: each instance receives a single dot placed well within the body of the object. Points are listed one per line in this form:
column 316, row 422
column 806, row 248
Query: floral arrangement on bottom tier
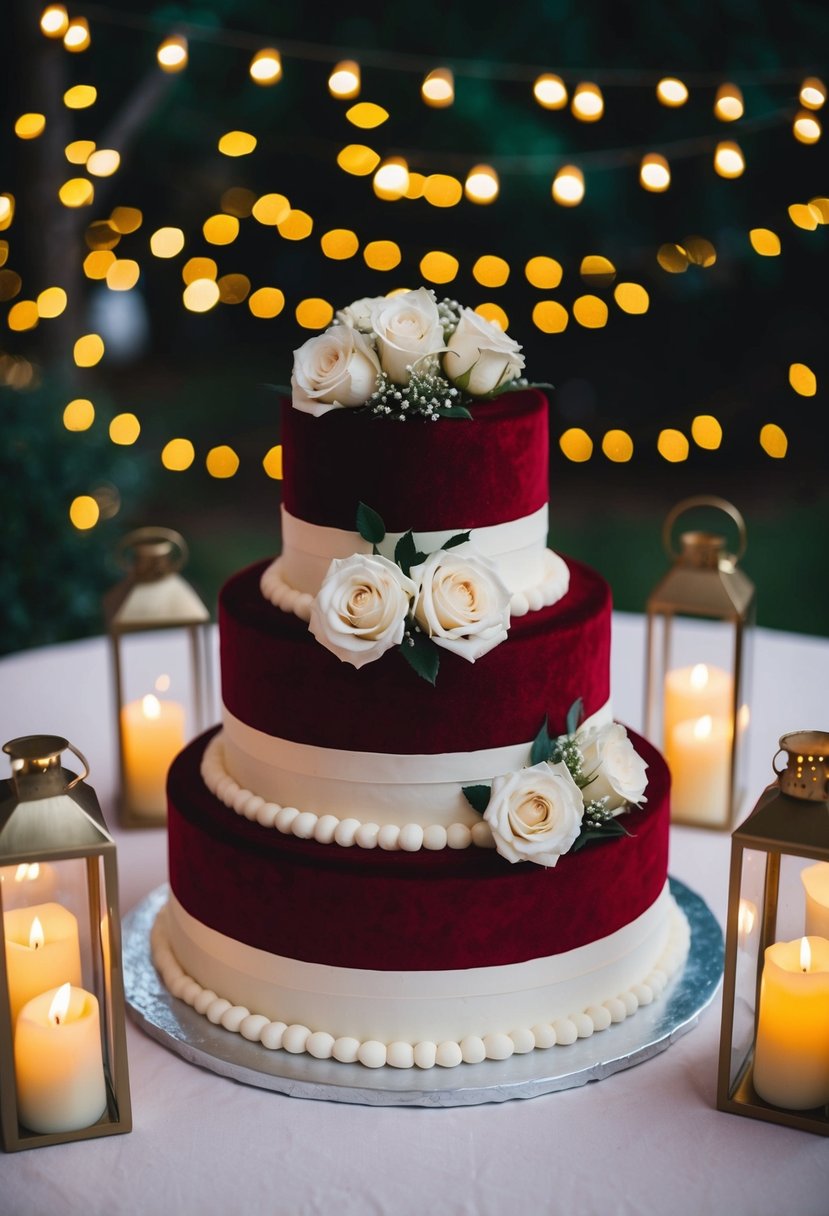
column 573, row 792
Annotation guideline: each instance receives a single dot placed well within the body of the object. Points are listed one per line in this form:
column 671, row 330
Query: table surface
column 645, row 1140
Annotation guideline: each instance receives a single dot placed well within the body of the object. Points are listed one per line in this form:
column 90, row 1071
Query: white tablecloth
column 645, row 1140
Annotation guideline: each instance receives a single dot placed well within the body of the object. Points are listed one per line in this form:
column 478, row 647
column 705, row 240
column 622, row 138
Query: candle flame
column 703, row 726
column 60, row 1004
column 746, row 917
column 805, row 954
column 699, row 676
column 151, row 707
column 36, row 936
column 162, row 684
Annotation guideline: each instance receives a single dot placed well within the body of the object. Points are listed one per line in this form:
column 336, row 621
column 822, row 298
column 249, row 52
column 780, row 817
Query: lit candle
column 746, row 920
column 34, row 883
column 42, row 951
column 153, row 734
column 58, row 1063
column 816, row 881
column 791, row 1055
column 693, row 692
column 699, row 757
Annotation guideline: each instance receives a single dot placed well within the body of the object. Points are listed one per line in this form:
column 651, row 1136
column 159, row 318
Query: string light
column 802, row 379
column 491, row 271
column 80, row 97
column 812, row 93
column 30, row 126
column 167, row 242
column 54, row 21
column 728, row 159
column 481, row 185
column 806, row 127
column 587, row 104
column 550, row 92
column 222, row 462
column 773, row 441
column 442, row 190
column 84, row 512
column 79, row 415
column 617, row 446
column 543, row 272
column 172, row 54
column 438, row 88
column 266, row 66
column 344, row 81
column 568, row 186
column 391, row 179
column 367, row 115
column 671, row 92
column 177, row 455
column 654, row 173
column 706, row 432
column 672, row 446
column 237, row 143
column 103, row 162
column 765, row 242
column 728, row 103
column 76, row 37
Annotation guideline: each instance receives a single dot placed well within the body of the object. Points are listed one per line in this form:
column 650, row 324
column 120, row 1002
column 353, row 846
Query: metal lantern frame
column 705, row 584
column 781, row 825
column 155, row 598
column 48, row 814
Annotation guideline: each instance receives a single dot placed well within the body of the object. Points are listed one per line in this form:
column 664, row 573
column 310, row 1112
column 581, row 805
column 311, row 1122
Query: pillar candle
column 32, row 964
column 693, row 692
column 699, row 757
column 791, row 1055
column 58, row 1063
column 152, row 734
column 816, row 882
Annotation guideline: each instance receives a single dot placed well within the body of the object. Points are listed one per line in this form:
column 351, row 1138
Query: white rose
column 535, row 814
column 358, row 314
column 408, row 328
column 335, row 368
column 462, row 604
column 361, row 608
column 479, row 349
column 618, row 771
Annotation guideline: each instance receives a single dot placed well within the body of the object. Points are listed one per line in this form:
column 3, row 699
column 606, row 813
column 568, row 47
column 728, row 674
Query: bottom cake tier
column 411, row 959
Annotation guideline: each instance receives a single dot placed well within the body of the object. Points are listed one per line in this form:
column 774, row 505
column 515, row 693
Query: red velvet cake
column 418, row 837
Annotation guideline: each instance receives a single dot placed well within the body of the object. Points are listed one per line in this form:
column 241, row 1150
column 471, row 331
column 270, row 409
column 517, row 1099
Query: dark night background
column 716, row 340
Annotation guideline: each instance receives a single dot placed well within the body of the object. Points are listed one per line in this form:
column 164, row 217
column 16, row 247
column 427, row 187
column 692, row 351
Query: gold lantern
column 774, row 1045
column 160, row 645
column 63, row 1050
column 700, row 621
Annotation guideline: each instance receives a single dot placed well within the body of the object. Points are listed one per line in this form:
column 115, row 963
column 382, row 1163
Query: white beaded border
column 328, row 829
column 425, row 1054
column 552, row 587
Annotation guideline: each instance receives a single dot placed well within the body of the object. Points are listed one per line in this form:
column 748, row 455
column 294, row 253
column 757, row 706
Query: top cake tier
column 453, row 474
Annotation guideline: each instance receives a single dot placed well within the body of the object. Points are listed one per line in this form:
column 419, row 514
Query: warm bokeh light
column 729, row 161
column 233, row 288
column 266, row 66
column 382, row 255
column 296, row 226
column 617, row 446
column 6, row 210
column 358, row 159
column 103, row 162
column 29, row 126
column 84, row 512
column 366, row 115
column 54, row 21
column 344, row 81
column 802, row 379
column 543, row 272
column 77, row 36
column 590, row 312
column 439, row 267
column 126, row 219
column 122, row 274
column 88, row 350
column 587, row 104
column 417, row 182
column 490, row 271
column 314, row 313
column 391, row 179
column 220, row 229
column 568, row 186
column 10, row 283
column 272, row 462
column 481, row 185
column 80, row 97
column 167, row 242
column 821, row 206
column 79, row 415
column 671, row 92
column 804, row 216
column 237, row 143
column 672, row 446
column 199, row 268
column 806, row 128
column 77, row 192
column 654, row 173
column 178, row 455
column 550, row 317
column 97, row 263
column 124, row 429
column 765, row 242
column 442, row 190
column 632, row 298
column 271, row 209
column 706, row 432
column 597, row 270
column 576, row 445
column 438, row 88
column 222, row 462
column 22, row 316
column 339, row 244
column 266, row 302
column 201, row 295
column 51, row 302
column 700, row 251
column 812, row 93
column 672, row 258
column 773, row 441
column 495, row 314
column 728, row 103
column 79, row 151
column 550, row 91
column 172, row 54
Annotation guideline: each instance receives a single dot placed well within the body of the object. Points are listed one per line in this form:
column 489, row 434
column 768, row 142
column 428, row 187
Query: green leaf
column 574, row 716
column 370, row 525
column 612, row 830
column 453, row 411
column 423, row 656
column 284, row 390
column 542, row 747
column 460, row 538
column 477, row 796
column 405, row 552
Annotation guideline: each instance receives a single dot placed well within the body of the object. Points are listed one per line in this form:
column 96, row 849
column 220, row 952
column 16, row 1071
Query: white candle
column 153, row 734
column 42, row 951
column 699, row 757
column 815, row 879
column 26, row 884
column 58, row 1063
column 791, row 1054
column 693, row 692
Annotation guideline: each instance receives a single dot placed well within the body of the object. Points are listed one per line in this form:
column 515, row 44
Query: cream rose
column 462, row 604
column 408, row 329
column 360, row 610
column 535, row 814
column 358, row 313
column 335, row 368
column 618, row 772
column 483, row 352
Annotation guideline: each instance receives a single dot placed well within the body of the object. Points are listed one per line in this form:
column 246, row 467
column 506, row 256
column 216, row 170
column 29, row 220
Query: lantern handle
column 777, row 771
column 81, row 776
column 147, row 535
column 703, row 500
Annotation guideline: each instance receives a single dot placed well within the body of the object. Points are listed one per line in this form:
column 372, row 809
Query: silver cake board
column 651, row 1030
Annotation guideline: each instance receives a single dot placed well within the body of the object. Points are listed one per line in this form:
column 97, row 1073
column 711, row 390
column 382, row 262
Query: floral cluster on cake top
column 405, row 356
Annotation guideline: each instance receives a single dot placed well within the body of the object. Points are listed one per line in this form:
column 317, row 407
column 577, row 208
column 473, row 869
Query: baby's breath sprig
column 428, row 395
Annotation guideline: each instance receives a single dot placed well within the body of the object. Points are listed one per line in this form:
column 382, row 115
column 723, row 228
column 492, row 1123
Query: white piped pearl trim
column 328, row 829
column 425, row 1054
